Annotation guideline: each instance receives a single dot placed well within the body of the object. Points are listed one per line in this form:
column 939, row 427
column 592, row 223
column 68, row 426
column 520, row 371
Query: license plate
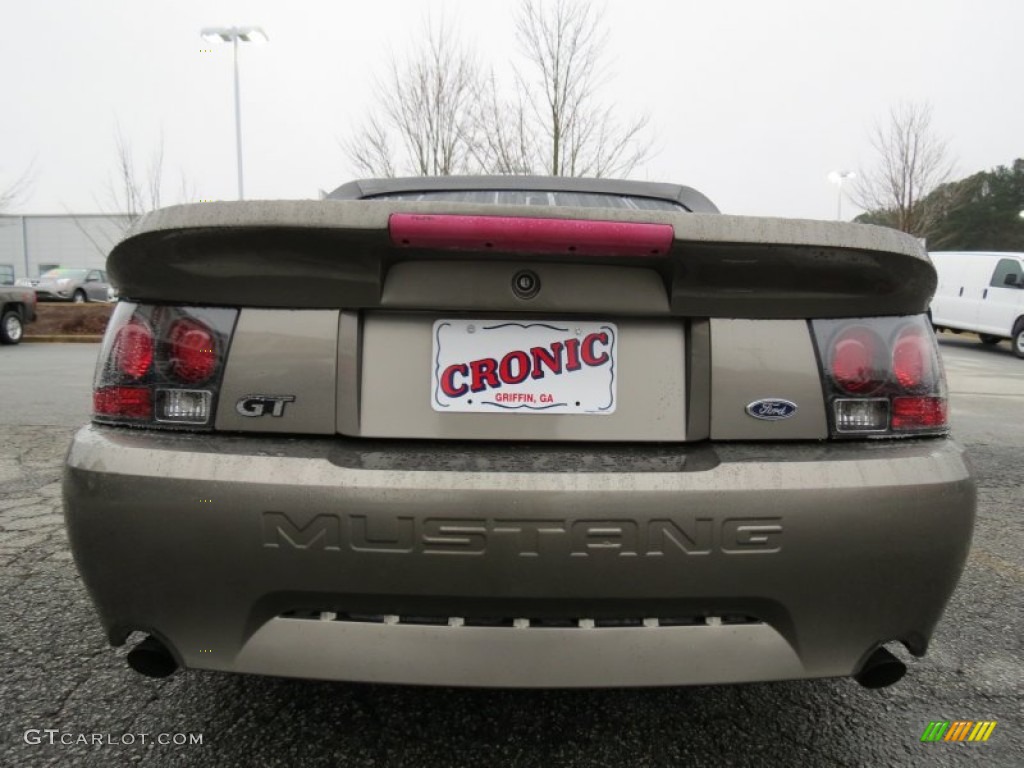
column 499, row 366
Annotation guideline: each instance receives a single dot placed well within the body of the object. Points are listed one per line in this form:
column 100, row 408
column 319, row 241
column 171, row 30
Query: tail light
column 193, row 351
column 913, row 361
column 132, row 353
column 123, row 402
column 857, row 362
column 882, row 376
column 162, row 366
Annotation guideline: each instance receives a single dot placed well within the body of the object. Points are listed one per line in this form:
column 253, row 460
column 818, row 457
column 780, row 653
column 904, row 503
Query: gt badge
column 261, row 405
column 771, row 409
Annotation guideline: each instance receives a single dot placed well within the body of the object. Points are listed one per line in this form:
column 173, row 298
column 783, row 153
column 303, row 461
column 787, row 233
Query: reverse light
column 184, row 406
column 862, row 415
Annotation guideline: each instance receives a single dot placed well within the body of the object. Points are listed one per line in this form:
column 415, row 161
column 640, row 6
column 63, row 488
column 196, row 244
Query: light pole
column 838, row 177
column 233, row 35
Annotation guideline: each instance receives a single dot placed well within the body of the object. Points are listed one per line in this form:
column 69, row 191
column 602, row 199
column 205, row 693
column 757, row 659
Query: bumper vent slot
column 521, row 622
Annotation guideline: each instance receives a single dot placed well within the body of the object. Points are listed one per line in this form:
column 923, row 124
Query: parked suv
column 518, row 431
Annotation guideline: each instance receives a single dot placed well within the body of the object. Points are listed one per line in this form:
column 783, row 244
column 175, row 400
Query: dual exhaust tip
column 153, row 659
column 881, row 670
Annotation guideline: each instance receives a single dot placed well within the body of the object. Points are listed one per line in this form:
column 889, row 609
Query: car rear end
column 465, row 444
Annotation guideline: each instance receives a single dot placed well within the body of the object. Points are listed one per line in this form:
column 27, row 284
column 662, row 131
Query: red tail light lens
column 193, row 351
column 123, row 402
column 912, row 360
column 133, row 348
column 858, row 366
column 918, row 412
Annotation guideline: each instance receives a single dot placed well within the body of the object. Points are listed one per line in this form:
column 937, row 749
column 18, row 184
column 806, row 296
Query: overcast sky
column 751, row 101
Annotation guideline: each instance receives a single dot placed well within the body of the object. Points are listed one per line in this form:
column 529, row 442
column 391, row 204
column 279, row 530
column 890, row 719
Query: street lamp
column 233, row 35
column 838, row 177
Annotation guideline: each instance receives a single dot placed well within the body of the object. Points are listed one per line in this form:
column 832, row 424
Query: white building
column 33, row 243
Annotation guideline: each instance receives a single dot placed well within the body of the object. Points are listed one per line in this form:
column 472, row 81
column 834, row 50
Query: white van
column 982, row 292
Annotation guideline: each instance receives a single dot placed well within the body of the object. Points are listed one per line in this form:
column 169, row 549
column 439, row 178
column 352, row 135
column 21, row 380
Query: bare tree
column 17, row 190
column 133, row 193
column 564, row 42
column 370, row 150
column 503, row 138
column 438, row 115
column 130, row 193
column 426, row 106
column 912, row 162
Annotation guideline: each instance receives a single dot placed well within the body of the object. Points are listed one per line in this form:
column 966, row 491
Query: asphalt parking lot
column 58, row 674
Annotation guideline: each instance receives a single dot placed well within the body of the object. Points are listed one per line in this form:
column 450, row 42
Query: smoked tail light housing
column 162, row 366
column 882, row 377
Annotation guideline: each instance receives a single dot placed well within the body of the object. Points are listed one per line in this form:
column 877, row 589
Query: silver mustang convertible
column 518, row 431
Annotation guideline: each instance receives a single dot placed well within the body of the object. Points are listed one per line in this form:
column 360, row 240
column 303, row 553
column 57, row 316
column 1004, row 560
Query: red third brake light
column 193, row 351
column 519, row 234
column 133, row 348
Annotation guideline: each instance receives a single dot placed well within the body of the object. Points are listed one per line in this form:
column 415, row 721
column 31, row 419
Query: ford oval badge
column 771, row 409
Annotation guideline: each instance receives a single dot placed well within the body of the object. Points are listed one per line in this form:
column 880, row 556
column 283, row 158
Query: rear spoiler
column 337, row 254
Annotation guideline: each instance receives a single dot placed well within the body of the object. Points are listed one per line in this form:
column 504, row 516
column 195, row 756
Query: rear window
column 76, row 273
column 528, row 197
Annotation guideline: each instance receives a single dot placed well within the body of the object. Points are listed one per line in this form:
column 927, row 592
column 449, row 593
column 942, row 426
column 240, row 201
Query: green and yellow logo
column 958, row 730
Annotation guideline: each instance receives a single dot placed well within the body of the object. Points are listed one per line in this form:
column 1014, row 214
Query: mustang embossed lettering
column 523, row 538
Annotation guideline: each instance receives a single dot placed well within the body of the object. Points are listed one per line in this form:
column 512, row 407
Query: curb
column 62, row 339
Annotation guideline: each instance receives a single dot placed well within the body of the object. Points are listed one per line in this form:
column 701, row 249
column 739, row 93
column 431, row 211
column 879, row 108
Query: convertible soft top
column 430, row 188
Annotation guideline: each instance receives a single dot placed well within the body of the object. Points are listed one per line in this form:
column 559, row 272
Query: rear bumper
column 554, row 566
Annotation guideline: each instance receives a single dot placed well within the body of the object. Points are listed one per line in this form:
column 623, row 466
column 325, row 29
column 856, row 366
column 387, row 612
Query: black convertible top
column 428, row 188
